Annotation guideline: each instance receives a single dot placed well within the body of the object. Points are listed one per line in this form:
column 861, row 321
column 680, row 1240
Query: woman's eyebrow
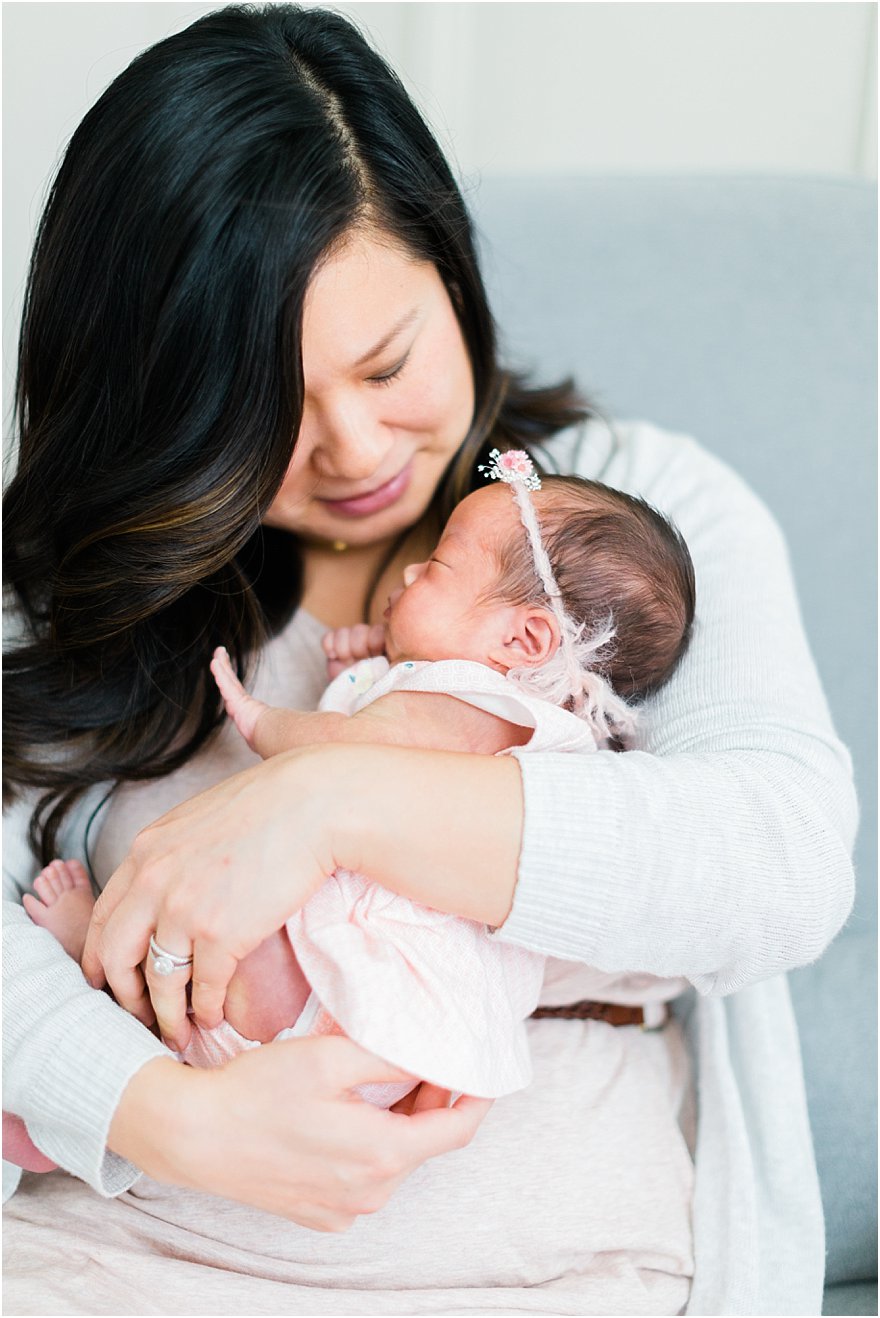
column 397, row 328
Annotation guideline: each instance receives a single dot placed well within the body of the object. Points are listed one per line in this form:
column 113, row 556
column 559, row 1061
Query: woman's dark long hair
column 160, row 387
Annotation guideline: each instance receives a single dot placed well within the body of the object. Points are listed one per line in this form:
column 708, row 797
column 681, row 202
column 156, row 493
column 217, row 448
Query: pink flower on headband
column 514, row 467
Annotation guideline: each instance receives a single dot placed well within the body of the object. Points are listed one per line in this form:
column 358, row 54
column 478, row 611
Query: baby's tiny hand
column 242, row 708
column 344, row 646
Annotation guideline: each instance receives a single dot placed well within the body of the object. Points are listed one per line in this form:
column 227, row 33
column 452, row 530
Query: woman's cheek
column 440, row 405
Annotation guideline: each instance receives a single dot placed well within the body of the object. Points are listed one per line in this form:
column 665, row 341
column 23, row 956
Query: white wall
column 508, row 87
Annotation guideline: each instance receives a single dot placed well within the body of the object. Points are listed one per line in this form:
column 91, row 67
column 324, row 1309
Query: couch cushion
column 742, row 310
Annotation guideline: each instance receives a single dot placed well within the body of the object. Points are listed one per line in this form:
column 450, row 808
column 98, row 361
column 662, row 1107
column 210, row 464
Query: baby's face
column 438, row 613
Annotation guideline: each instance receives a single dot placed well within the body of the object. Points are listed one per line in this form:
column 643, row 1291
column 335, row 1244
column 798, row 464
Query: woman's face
column 389, row 396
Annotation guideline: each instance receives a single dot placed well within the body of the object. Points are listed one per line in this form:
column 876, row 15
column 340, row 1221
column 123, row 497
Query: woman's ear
column 532, row 638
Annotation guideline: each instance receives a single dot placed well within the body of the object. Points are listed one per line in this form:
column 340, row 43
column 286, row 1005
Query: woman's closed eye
column 393, row 374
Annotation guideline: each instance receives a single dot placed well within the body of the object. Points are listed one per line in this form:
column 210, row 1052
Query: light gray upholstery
column 742, row 311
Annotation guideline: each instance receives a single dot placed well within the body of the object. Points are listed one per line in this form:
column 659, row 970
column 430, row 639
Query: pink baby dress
column 432, row 993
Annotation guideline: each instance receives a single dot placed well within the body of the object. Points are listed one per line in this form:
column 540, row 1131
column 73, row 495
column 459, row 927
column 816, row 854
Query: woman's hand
column 220, row 873
column 317, row 1154
column 213, row 878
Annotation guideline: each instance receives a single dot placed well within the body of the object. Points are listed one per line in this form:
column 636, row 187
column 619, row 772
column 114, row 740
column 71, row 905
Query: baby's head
column 613, row 557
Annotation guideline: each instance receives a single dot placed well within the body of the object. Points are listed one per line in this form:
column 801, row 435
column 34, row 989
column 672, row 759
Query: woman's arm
column 104, row 1099
column 722, row 855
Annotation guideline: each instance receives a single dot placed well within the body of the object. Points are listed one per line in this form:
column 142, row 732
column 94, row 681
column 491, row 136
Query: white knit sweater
column 720, row 853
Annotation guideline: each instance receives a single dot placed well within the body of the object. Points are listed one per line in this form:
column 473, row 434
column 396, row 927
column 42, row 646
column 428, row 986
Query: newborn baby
column 543, row 609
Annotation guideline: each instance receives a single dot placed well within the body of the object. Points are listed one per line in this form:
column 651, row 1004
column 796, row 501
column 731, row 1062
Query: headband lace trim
column 569, row 675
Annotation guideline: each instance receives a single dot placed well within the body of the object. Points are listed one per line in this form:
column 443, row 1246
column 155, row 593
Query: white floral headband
column 569, row 674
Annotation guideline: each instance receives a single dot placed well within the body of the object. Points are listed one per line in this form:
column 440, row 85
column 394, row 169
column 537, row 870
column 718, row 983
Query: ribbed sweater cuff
column 71, row 1110
column 69, row 1053
column 558, row 905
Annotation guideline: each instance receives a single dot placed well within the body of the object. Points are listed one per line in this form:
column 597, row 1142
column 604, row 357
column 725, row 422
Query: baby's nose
column 412, row 573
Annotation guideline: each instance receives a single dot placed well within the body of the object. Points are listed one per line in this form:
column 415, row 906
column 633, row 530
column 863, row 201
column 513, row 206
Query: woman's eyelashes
column 390, row 375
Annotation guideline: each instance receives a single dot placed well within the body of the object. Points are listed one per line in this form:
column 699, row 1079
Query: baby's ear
column 531, row 639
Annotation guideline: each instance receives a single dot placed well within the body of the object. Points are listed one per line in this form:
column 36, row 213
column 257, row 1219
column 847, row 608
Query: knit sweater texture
column 720, row 852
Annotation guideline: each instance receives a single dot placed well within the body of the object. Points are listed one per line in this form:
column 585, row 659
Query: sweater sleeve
column 720, row 852
column 68, row 1050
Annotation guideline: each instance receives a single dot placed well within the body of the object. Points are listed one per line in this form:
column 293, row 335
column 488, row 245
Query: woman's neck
column 336, row 583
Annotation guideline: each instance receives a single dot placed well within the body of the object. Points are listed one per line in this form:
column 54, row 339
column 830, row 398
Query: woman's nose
column 412, row 573
column 348, row 443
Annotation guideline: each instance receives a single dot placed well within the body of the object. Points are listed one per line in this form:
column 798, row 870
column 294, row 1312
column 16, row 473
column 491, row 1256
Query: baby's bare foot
column 63, row 904
column 244, row 710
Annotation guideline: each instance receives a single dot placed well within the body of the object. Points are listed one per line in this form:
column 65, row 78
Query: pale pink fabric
column 430, row 992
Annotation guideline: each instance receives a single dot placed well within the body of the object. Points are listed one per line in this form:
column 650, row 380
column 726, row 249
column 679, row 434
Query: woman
column 253, row 240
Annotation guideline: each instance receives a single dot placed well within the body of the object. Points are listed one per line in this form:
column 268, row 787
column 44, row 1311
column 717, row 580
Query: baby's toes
column 77, row 874
column 62, row 877
column 47, row 885
column 34, row 907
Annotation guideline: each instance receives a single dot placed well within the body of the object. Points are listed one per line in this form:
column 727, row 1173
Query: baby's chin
column 431, row 656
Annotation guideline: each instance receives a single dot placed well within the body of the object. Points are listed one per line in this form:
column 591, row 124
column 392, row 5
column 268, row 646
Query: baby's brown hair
column 611, row 554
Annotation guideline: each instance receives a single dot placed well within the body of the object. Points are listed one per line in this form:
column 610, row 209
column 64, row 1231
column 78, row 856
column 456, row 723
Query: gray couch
column 741, row 310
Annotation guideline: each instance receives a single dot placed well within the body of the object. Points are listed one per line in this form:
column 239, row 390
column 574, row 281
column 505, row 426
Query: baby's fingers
column 376, row 641
column 337, row 646
column 224, row 675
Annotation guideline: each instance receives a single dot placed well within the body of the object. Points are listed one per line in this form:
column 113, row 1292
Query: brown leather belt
column 609, row 1012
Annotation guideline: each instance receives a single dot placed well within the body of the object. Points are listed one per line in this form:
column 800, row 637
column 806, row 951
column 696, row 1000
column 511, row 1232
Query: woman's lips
column 374, row 500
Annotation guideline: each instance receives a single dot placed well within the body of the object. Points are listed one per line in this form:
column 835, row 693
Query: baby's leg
column 19, row 1148
column 63, row 904
column 268, row 990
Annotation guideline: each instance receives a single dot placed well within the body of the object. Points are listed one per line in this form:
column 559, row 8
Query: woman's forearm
column 441, row 828
column 155, row 1092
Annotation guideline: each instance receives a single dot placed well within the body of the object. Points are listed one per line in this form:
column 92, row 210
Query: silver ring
column 165, row 963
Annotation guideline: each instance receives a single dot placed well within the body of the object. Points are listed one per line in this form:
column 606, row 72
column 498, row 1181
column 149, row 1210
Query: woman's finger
column 121, row 950
column 92, row 966
column 167, row 995
column 345, row 1065
column 130, row 991
column 440, row 1130
column 213, row 968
